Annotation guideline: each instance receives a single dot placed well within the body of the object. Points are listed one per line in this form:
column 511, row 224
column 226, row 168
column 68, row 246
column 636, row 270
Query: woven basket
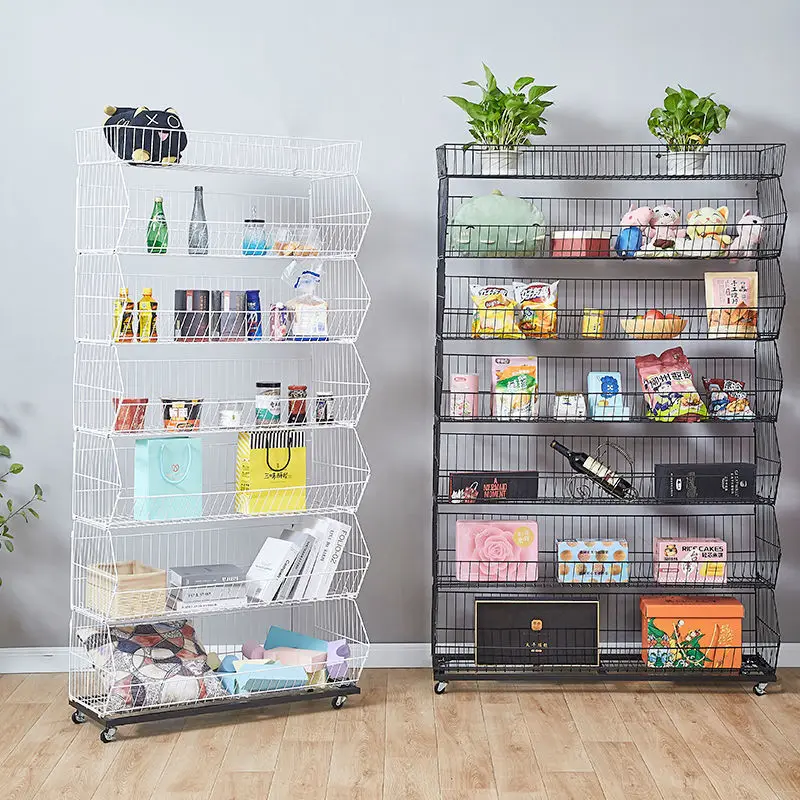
column 126, row 589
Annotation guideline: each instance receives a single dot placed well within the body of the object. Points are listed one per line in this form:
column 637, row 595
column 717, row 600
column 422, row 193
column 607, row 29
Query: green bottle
column 157, row 233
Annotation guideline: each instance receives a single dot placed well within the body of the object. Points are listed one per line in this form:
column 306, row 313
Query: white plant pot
column 689, row 162
column 499, row 161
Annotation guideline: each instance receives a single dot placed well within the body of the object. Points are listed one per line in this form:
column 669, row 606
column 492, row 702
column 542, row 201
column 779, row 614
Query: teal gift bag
column 168, row 478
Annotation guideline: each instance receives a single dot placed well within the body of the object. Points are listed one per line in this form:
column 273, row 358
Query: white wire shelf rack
column 234, row 152
column 329, row 222
column 118, row 392
column 101, row 562
column 105, row 488
column 99, row 278
column 106, row 679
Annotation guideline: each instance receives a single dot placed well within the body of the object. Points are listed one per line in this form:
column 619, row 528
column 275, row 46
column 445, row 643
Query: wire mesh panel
column 578, row 220
column 125, row 576
column 629, row 556
column 677, row 467
column 101, row 277
column 314, row 471
column 759, row 374
column 610, row 161
column 617, row 302
column 228, row 152
column 115, row 671
column 120, row 391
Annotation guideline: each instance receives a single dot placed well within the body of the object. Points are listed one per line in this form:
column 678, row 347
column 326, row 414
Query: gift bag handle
column 168, row 478
column 288, row 459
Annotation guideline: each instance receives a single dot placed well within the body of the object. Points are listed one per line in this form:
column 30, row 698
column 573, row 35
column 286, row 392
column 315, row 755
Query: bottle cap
column 159, row 199
column 268, row 384
column 147, row 290
column 198, row 188
column 123, row 290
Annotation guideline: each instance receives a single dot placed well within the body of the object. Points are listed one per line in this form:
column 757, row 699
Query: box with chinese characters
column 690, row 560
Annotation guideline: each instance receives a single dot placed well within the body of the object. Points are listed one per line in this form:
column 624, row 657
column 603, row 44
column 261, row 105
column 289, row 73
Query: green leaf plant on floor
column 11, row 512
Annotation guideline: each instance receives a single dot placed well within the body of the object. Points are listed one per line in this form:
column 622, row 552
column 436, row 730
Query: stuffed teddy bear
column 155, row 137
column 749, row 230
column 632, row 225
column 662, row 233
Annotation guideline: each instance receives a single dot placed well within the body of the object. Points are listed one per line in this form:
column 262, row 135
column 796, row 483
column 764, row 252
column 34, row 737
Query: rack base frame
column 111, row 722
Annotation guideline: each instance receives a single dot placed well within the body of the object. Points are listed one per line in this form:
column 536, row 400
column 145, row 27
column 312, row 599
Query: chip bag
column 515, row 387
column 537, row 302
column 668, row 385
column 727, row 399
column 495, row 313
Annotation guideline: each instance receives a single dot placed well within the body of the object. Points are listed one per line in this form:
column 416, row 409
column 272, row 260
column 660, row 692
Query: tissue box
column 690, row 560
column 593, row 561
column 496, row 550
column 691, row 632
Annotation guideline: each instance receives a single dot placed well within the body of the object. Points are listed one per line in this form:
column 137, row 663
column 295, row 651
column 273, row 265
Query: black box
column 540, row 633
column 689, row 482
column 493, row 487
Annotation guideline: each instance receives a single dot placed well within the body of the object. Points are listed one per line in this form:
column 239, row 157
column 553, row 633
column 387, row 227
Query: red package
column 668, row 385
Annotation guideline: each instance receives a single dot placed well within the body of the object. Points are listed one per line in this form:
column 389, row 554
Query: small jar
column 268, row 403
column 323, row 407
column 254, row 237
column 593, row 324
column 230, row 416
column 297, row 403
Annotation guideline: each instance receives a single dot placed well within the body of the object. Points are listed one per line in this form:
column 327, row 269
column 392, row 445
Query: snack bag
column 731, row 300
column 668, row 385
column 727, row 399
column 495, row 313
column 537, row 303
column 515, row 387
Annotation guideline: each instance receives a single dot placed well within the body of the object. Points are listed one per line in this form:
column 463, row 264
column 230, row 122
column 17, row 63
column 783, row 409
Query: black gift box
column 493, row 487
column 537, row 632
column 689, row 482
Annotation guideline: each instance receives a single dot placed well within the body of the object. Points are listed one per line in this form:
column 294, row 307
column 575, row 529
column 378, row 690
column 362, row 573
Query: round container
column 593, row 324
column 297, row 403
column 464, row 395
column 254, row 237
column 268, row 403
column 323, row 407
column 690, row 162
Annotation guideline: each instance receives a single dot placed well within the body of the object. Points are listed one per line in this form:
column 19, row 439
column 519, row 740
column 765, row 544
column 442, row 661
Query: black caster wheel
column 108, row 735
column 339, row 701
column 78, row 717
column 440, row 687
column 760, row 689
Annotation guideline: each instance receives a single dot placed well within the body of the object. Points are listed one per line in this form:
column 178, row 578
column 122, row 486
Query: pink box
column 690, row 561
column 580, row 244
column 497, row 550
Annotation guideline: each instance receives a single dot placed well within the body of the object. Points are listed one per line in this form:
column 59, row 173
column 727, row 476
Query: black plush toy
column 144, row 136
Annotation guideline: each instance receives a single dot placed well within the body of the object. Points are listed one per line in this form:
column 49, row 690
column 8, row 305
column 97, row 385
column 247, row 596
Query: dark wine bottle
column 597, row 472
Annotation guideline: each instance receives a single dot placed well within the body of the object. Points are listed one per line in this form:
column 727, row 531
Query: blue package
column 605, row 394
column 280, row 637
column 628, row 242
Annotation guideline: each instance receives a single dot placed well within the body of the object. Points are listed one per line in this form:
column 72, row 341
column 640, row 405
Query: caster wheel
column 440, row 687
column 108, row 735
column 339, row 701
column 760, row 689
column 78, row 717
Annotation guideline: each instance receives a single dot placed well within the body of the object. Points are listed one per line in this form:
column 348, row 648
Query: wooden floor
column 399, row 741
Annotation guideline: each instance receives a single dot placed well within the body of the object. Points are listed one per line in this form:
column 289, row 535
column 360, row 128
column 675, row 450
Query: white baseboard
column 381, row 654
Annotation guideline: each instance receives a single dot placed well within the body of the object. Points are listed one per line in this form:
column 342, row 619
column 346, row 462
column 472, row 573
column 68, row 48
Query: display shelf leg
column 78, row 717
column 108, row 735
column 440, row 687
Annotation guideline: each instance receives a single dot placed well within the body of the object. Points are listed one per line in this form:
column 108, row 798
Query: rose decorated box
column 497, row 550
column 593, row 561
column 691, row 632
column 690, row 560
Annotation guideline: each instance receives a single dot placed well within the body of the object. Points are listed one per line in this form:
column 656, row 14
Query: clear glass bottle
column 157, row 232
column 198, row 227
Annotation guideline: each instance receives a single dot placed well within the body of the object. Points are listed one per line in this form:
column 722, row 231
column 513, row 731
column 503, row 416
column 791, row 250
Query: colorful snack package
column 731, row 300
column 515, row 387
column 727, row 399
column 537, row 303
column 495, row 314
column 668, row 385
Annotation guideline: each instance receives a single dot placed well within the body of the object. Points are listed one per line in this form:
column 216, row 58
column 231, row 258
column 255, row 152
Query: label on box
column 493, row 487
column 690, row 560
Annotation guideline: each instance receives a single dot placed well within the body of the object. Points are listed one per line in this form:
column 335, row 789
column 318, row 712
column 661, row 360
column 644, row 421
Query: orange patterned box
column 691, row 632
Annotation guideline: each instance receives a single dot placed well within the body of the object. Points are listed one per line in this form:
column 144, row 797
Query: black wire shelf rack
column 759, row 374
column 608, row 162
column 591, row 224
column 618, row 302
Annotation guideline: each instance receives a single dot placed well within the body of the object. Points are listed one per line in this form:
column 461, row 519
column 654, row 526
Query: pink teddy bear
column 633, row 223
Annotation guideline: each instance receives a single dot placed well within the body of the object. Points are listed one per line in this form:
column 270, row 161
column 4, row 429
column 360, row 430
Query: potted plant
column 10, row 512
column 685, row 123
column 504, row 120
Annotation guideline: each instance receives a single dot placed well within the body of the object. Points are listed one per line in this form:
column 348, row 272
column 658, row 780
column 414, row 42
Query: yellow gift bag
column 270, row 472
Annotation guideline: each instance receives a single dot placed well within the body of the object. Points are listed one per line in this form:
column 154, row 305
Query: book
column 301, row 586
column 333, row 536
column 304, row 541
column 205, row 586
column 270, row 567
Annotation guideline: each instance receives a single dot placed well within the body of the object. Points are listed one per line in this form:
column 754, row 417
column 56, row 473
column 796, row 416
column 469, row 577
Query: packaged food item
column 464, row 395
column 182, row 415
column 515, row 387
column 537, row 302
column 495, row 313
column 690, row 560
column 297, row 403
column 731, row 302
column 569, row 406
column 727, row 399
column 593, row 561
column 593, row 324
column 605, row 395
column 279, row 321
column 309, row 313
column 268, row 403
column 668, row 385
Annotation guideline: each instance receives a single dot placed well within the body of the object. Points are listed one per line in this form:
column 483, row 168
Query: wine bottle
column 597, row 472
column 157, row 232
column 198, row 227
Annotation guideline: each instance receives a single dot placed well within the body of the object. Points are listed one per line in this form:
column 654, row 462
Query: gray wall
column 345, row 69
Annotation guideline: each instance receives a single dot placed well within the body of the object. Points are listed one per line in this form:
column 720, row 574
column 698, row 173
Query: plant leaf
column 472, row 83
column 4, row 451
column 491, row 81
column 34, row 512
column 521, row 83
column 10, row 505
column 15, row 469
column 37, row 490
column 9, row 545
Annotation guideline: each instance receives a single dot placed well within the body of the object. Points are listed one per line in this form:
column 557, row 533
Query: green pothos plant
column 11, row 512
